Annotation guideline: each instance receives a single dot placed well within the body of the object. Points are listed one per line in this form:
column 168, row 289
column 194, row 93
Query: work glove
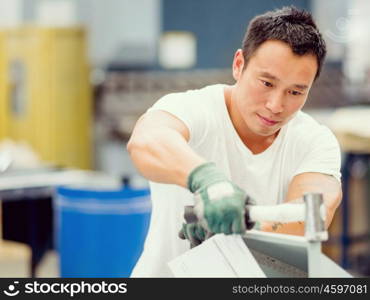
column 195, row 233
column 219, row 203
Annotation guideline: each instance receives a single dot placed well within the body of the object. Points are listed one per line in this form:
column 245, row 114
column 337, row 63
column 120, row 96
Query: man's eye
column 295, row 93
column 266, row 83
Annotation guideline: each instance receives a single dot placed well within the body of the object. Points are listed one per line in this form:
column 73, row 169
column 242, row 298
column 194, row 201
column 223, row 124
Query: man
column 225, row 143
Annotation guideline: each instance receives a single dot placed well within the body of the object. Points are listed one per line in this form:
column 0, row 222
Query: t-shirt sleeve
column 189, row 108
column 321, row 154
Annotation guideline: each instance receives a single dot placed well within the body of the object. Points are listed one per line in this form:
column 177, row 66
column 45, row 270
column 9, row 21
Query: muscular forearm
column 163, row 155
column 295, row 228
column 308, row 183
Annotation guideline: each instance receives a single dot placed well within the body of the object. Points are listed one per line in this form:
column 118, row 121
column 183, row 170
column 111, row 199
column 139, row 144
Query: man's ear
column 238, row 64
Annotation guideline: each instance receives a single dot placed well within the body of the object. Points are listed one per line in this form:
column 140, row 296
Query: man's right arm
column 159, row 148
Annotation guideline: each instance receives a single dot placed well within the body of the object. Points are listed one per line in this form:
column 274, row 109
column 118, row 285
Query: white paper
column 220, row 256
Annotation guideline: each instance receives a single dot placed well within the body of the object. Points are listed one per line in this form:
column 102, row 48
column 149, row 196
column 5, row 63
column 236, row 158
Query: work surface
column 257, row 254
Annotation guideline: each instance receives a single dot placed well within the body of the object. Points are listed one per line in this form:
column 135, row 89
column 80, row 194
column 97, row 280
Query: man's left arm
column 304, row 183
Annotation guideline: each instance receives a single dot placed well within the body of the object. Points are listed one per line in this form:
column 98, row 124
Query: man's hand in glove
column 195, row 233
column 219, row 203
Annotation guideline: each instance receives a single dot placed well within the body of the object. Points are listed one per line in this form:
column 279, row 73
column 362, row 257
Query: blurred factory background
column 76, row 75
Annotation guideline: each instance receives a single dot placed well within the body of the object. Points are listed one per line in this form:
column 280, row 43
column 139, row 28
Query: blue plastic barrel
column 100, row 233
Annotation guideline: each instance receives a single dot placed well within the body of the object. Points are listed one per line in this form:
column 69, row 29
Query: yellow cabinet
column 45, row 94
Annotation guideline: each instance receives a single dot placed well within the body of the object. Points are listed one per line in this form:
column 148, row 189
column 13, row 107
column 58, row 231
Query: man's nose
column 275, row 103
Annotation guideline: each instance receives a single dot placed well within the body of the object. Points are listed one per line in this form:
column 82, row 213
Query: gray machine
column 282, row 255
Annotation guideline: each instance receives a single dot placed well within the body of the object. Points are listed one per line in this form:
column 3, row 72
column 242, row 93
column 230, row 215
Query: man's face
column 273, row 86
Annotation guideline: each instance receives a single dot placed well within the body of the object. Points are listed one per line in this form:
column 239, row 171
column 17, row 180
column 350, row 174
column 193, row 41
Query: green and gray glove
column 219, row 203
column 195, row 233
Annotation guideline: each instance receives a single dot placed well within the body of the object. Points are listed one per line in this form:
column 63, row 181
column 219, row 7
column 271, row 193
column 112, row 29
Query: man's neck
column 255, row 143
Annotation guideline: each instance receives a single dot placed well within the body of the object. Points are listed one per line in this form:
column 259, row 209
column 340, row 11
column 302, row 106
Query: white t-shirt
column 302, row 145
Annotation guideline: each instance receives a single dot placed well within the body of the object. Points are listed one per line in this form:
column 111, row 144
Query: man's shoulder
column 303, row 121
column 304, row 128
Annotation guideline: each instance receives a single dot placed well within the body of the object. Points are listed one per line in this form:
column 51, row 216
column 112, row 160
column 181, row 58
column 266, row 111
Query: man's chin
column 268, row 132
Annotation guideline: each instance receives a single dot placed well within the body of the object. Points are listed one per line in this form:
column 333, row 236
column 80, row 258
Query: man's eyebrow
column 301, row 86
column 270, row 76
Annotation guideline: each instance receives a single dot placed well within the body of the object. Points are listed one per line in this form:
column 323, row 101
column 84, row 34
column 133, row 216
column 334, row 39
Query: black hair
column 290, row 25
